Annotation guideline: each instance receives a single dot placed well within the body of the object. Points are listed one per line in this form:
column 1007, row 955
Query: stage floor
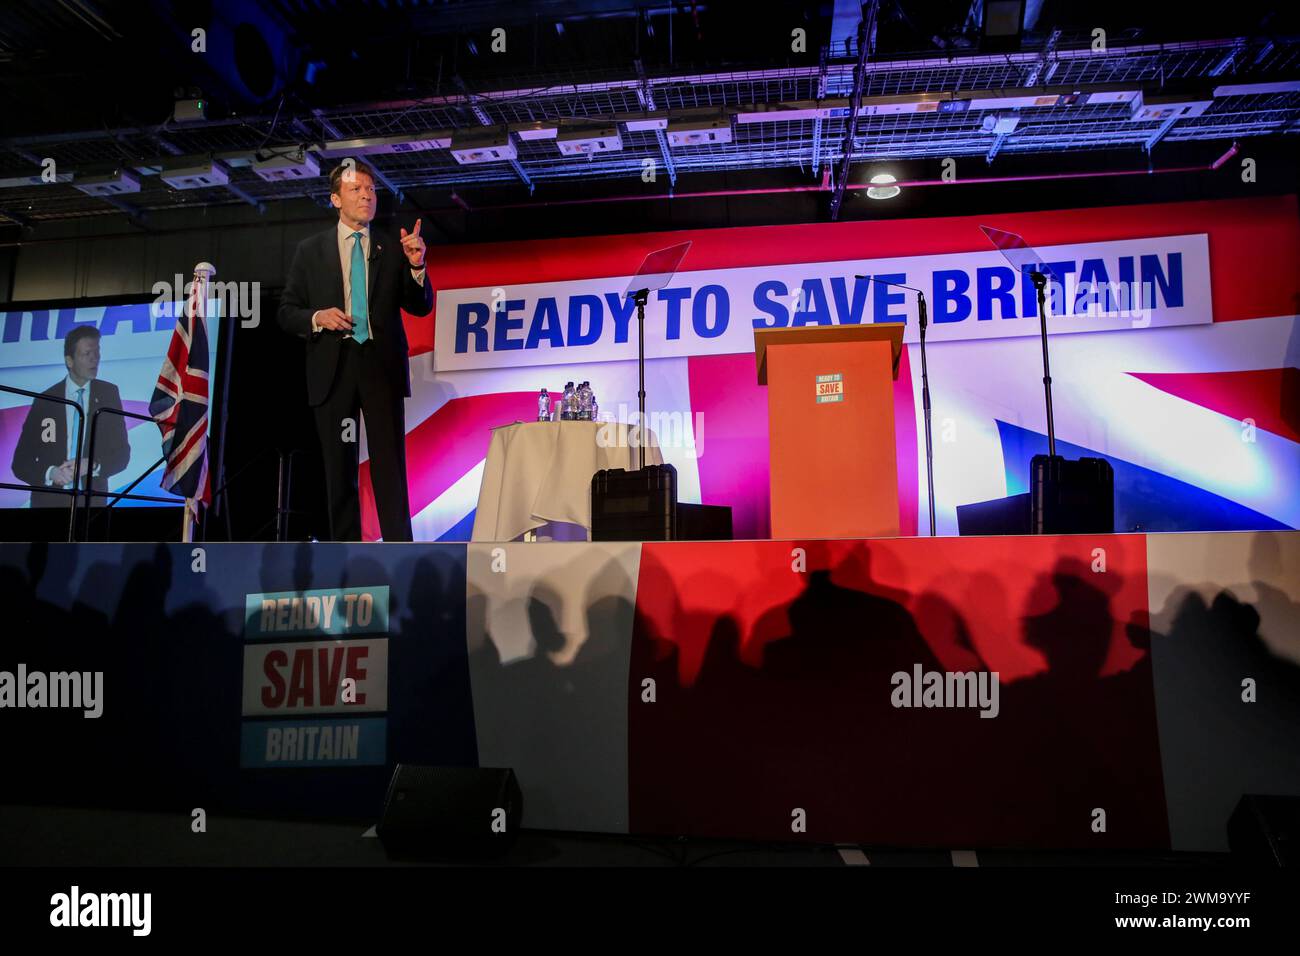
column 80, row 837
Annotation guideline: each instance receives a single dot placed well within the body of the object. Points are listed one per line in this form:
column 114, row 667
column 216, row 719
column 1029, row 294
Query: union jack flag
column 180, row 402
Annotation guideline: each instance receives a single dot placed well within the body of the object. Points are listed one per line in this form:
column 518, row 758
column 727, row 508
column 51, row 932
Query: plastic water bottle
column 543, row 406
column 568, row 411
column 595, row 409
column 584, row 402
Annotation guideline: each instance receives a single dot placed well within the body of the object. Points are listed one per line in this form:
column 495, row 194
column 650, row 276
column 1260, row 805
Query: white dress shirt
column 345, row 242
column 70, row 393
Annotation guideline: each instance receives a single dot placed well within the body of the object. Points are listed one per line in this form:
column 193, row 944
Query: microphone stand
column 925, row 387
column 1039, row 279
column 640, row 296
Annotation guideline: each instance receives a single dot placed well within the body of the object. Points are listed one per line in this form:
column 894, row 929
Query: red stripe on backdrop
column 1254, row 246
column 776, row 689
column 731, row 410
column 443, row 447
column 419, row 332
column 1268, row 396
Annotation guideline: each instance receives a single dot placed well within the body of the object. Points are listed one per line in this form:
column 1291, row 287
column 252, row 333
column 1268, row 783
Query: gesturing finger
column 416, row 230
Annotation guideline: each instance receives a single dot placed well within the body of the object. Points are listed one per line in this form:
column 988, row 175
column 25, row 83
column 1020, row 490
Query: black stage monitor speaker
column 1008, row 515
column 703, row 522
column 1071, row 497
column 450, row 812
column 1265, row 830
column 639, row 505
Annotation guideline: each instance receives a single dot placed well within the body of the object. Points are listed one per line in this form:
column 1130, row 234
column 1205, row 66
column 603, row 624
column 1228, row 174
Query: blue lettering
column 816, row 310
column 545, row 325
column 768, row 298
column 471, row 317
column 1171, row 285
column 986, row 291
column 885, row 297
column 621, row 309
column 137, row 315
column 1094, row 287
column 590, row 303
column 1028, row 294
column 674, row 297
column 1129, row 302
column 67, row 322
column 1057, row 275
column 504, row 325
column 849, row 313
column 700, row 311
column 951, row 303
column 13, row 326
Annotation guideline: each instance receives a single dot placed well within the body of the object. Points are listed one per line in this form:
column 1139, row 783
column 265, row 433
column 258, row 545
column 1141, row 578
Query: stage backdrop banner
column 1191, row 393
column 1107, row 286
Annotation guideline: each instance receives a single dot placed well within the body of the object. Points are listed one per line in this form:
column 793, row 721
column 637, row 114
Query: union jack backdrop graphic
column 1198, row 421
column 180, row 401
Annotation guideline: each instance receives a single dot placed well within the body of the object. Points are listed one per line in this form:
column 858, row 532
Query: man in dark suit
column 46, row 449
column 343, row 295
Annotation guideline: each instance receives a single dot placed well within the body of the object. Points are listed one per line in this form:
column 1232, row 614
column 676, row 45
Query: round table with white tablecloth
column 539, row 473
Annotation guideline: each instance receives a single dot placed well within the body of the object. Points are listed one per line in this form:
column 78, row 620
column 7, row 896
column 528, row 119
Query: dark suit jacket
column 32, row 456
column 316, row 282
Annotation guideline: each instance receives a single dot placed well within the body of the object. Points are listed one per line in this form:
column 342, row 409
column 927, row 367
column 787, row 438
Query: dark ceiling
column 91, row 85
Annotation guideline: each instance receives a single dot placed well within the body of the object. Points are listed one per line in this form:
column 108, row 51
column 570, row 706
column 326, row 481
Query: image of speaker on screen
column 47, row 447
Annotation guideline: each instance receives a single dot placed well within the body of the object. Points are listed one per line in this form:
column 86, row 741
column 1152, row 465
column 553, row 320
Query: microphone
column 920, row 297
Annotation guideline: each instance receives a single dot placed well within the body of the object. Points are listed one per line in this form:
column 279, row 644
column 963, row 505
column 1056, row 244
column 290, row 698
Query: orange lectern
column 830, row 402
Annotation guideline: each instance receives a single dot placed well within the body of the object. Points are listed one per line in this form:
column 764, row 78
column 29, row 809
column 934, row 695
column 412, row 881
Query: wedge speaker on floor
column 1265, row 830
column 450, row 812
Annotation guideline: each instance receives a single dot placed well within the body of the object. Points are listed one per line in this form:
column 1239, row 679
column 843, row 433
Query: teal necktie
column 360, row 309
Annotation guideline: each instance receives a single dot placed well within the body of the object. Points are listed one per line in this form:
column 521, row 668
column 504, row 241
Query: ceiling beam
column 866, row 44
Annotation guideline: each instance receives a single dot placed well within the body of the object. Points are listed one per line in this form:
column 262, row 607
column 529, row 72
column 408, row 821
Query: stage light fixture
column 646, row 123
column 290, row 167
column 380, row 145
column 585, row 142
column 536, row 129
column 469, row 151
column 1000, row 123
column 1003, row 24
column 882, row 187
column 193, row 110
column 201, row 176
column 1149, row 107
column 699, row 132
column 110, row 184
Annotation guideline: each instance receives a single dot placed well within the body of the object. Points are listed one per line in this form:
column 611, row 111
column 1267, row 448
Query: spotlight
column 882, row 187
column 1003, row 25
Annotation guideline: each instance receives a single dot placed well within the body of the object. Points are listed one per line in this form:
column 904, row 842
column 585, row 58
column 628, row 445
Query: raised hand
column 413, row 246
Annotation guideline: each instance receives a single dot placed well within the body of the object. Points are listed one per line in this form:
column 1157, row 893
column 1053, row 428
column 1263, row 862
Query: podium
column 830, row 401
